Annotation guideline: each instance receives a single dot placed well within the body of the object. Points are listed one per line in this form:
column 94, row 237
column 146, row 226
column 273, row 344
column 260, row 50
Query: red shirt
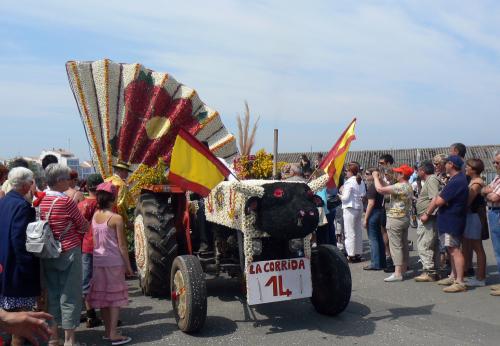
column 64, row 211
column 88, row 207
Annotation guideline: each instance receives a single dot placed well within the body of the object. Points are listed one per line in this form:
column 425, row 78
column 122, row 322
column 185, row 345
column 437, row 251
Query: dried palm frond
column 246, row 123
column 246, row 139
column 251, row 139
column 241, row 144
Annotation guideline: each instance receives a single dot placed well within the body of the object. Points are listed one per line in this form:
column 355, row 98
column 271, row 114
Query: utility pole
column 275, row 154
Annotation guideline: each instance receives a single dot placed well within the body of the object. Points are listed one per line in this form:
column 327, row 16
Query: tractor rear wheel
column 155, row 243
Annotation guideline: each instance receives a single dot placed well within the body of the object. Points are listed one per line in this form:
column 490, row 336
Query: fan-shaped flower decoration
column 133, row 114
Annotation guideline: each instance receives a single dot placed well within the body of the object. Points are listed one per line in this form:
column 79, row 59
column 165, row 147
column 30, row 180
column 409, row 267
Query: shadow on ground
column 139, row 335
column 300, row 314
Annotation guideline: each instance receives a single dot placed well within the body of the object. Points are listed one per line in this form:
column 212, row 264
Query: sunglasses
column 496, row 162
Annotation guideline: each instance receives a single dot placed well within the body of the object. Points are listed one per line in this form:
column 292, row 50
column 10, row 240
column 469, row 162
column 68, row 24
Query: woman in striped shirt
column 63, row 275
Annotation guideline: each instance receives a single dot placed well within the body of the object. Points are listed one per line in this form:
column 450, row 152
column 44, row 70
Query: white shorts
column 449, row 240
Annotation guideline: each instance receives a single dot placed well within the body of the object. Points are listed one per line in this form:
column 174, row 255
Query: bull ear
column 252, row 205
column 249, row 190
column 318, row 183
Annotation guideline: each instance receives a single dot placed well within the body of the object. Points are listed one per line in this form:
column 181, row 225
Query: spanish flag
column 193, row 167
column 333, row 163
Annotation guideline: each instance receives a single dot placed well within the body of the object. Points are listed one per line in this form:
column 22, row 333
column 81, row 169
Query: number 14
column 278, row 289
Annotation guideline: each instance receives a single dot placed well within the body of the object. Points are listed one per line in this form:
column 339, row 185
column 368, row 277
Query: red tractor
column 168, row 247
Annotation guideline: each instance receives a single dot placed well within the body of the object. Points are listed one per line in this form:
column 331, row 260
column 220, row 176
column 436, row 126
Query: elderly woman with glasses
column 20, row 271
column 63, row 275
column 439, row 162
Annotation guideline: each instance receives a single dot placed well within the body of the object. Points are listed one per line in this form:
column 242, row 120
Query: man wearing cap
column 452, row 203
column 398, row 217
column 124, row 200
column 492, row 196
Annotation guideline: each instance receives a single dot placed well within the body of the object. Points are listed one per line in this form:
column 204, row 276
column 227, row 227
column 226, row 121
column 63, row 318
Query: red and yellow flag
column 193, row 167
column 333, row 163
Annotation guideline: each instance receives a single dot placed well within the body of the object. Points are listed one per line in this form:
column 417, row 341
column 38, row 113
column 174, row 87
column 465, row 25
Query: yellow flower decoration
column 145, row 175
column 261, row 167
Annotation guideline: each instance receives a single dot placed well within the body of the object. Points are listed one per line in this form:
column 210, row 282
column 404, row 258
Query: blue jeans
column 494, row 223
column 87, row 267
column 377, row 248
column 332, row 239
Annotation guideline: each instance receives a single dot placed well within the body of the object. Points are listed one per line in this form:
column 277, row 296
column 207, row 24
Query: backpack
column 40, row 240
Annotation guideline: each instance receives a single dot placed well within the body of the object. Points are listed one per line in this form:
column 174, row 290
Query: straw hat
column 122, row 165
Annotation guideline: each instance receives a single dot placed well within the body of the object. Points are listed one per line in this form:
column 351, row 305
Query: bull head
column 285, row 210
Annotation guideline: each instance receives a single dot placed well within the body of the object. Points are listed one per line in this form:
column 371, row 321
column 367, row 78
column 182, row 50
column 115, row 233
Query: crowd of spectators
column 455, row 210
column 57, row 285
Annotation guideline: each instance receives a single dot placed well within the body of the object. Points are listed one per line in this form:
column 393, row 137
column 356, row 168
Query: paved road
column 379, row 313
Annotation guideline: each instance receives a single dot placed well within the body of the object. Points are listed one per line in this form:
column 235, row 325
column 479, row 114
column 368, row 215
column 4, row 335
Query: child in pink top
column 108, row 290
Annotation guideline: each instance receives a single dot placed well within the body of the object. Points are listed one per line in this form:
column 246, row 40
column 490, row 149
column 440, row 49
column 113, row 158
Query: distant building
column 67, row 158
column 86, row 168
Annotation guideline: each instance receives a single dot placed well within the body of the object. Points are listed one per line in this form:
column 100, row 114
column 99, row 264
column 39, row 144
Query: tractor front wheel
column 189, row 293
column 331, row 280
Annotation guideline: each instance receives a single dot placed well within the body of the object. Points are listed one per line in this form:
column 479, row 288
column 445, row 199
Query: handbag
column 40, row 239
column 333, row 202
column 485, row 231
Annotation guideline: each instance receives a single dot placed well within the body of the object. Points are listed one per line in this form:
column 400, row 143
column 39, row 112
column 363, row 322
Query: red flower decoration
column 151, row 122
column 278, row 193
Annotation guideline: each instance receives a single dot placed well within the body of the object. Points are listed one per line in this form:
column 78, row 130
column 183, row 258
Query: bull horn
column 249, row 190
column 319, row 183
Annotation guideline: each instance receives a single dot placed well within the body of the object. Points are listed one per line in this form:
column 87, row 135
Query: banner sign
column 278, row 280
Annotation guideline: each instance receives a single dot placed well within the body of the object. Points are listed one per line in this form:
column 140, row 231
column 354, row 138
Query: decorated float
column 258, row 230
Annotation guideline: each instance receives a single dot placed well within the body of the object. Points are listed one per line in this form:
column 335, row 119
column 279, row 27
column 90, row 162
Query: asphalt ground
column 379, row 313
column 401, row 313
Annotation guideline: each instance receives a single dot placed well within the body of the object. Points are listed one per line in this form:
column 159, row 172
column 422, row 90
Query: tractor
column 259, row 232
column 256, row 230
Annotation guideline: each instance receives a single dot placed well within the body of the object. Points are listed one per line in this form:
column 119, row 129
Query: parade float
column 259, row 229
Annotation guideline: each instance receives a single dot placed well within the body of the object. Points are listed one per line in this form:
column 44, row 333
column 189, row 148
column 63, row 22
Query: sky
column 414, row 73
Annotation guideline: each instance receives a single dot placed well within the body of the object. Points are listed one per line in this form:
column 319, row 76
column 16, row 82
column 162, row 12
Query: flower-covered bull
column 266, row 208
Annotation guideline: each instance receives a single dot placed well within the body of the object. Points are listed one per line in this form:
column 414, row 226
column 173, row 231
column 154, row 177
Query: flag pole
column 327, row 157
column 312, row 175
column 234, row 175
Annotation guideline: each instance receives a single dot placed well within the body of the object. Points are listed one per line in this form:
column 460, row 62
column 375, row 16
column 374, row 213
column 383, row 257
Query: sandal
column 106, row 338
column 122, row 341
